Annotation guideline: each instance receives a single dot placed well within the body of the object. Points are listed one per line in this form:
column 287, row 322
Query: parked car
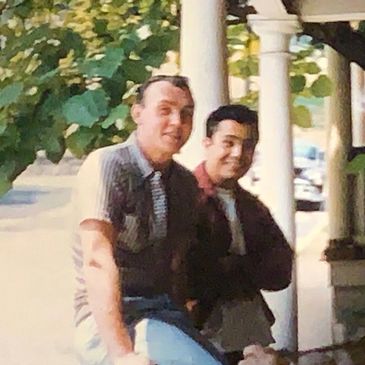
column 309, row 174
column 309, row 163
column 307, row 195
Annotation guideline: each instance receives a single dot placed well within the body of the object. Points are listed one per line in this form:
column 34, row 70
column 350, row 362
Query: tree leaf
column 106, row 66
column 154, row 59
column 9, row 137
column 135, row 70
column 86, row 109
column 240, row 68
column 304, row 53
column 3, row 123
column 115, row 87
column 301, row 116
column 118, row 113
column 312, row 68
column 51, row 106
column 297, row 83
column 253, row 66
column 356, row 165
column 7, row 168
column 6, row 172
column 5, row 185
column 9, row 94
column 80, row 142
column 321, row 87
column 236, row 30
column 54, row 145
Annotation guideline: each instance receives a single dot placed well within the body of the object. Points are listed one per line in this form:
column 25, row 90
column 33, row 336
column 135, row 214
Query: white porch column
column 338, row 145
column 203, row 61
column 277, row 189
column 358, row 140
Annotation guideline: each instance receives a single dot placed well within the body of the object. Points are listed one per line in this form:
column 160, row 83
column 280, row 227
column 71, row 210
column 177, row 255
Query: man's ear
column 136, row 113
column 207, row 142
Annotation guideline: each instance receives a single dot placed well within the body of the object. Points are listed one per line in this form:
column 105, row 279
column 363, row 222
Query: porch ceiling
column 320, row 11
column 332, row 10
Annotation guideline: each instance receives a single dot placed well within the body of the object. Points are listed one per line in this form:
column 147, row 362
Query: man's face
column 165, row 117
column 230, row 150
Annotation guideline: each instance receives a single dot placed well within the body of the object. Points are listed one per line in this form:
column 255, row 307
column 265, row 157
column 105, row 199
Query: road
column 36, row 271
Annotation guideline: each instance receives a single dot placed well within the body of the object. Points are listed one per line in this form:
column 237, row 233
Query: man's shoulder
column 109, row 155
column 251, row 201
column 182, row 170
column 111, row 152
column 184, row 175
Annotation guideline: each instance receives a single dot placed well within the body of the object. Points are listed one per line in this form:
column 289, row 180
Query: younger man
column 242, row 250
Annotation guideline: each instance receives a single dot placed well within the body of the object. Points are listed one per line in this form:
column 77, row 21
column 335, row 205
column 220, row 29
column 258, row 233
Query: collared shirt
column 113, row 186
column 228, row 200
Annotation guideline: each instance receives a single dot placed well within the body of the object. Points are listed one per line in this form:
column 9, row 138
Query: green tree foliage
column 307, row 79
column 68, row 70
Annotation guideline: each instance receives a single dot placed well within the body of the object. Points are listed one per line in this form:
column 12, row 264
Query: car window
column 309, row 152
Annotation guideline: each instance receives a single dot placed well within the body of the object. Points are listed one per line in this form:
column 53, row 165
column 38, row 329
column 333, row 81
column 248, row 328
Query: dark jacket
column 214, row 273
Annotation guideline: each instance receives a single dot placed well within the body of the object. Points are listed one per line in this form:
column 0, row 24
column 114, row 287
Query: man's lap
column 161, row 332
column 163, row 343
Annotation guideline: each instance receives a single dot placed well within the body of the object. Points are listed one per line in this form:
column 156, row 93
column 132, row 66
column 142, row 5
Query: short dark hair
column 239, row 113
column 178, row 81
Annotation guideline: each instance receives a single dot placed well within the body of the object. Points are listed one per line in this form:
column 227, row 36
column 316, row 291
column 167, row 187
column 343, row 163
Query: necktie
column 159, row 202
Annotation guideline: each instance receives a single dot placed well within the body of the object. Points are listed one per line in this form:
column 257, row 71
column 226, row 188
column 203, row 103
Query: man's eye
column 227, row 143
column 165, row 111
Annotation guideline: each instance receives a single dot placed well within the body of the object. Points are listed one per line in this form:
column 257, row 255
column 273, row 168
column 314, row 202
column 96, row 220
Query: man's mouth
column 233, row 164
column 175, row 137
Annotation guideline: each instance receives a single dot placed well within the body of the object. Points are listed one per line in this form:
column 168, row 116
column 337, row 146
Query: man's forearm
column 105, row 301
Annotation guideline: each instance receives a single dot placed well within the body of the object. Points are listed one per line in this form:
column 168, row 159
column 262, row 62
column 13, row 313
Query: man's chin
column 231, row 177
column 172, row 150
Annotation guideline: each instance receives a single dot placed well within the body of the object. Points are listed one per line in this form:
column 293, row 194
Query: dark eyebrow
column 189, row 107
column 172, row 102
column 166, row 101
column 231, row 136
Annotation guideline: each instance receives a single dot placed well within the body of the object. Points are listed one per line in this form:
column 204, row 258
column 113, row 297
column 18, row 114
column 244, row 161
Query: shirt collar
column 205, row 183
column 140, row 158
column 142, row 162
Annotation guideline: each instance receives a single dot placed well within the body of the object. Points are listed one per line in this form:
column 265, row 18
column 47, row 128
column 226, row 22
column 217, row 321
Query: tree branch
column 239, row 12
column 341, row 37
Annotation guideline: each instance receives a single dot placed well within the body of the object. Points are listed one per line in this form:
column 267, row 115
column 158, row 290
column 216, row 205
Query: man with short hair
column 242, row 250
column 135, row 222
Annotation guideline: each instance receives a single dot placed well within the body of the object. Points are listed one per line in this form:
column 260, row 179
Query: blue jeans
column 160, row 331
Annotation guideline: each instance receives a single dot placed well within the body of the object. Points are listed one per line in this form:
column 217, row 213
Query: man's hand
column 258, row 355
column 191, row 305
column 133, row 358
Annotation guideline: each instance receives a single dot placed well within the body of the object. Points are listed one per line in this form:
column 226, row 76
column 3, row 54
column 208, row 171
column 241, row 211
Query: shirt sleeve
column 95, row 187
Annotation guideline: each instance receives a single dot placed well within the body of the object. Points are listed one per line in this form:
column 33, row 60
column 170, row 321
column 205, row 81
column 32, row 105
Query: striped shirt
column 114, row 185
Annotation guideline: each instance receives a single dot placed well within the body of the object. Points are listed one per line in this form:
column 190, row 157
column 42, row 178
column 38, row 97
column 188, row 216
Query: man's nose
column 236, row 151
column 176, row 118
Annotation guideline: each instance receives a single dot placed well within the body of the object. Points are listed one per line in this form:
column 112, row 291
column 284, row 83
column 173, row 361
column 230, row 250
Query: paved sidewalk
column 314, row 294
column 36, row 281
